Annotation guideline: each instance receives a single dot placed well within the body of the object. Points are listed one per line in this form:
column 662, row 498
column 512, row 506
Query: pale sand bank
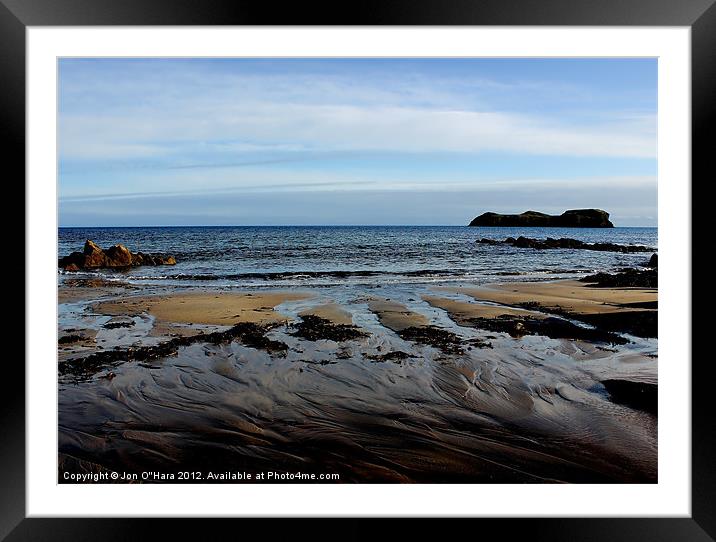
column 216, row 308
column 331, row 312
column 462, row 311
column 394, row 315
column 568, row 295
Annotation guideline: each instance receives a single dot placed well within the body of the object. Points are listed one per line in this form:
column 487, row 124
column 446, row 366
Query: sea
column 330, row 256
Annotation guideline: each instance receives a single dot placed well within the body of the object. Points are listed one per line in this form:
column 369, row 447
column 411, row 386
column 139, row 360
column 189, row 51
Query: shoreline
column 324, row 371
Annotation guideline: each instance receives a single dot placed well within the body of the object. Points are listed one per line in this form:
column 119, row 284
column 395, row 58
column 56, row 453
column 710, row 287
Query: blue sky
column 353, row 141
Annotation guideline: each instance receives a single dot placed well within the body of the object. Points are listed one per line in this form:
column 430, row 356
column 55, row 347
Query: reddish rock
column 94, row 256
column 117, row 257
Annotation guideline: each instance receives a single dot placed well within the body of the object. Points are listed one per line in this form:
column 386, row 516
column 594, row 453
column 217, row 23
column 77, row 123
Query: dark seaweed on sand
column 443, row 340
column 249, row 334
column 67, row 339
column 117, row 325
column 315, row 328
column 396, row 357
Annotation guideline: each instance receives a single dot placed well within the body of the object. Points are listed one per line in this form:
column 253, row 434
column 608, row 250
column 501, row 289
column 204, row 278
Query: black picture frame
column 699, row 15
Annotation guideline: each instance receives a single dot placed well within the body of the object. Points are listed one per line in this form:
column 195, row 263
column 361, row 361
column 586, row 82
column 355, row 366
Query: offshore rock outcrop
column 115, row 257
column 566, row 242
column 574, row 218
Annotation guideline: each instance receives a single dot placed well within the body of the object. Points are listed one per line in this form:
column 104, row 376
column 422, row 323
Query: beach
column 448, row 382
column 360, row 271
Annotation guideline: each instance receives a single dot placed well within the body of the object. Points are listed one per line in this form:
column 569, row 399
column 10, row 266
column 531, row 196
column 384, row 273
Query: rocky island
column 115, row 257
column 574, row 218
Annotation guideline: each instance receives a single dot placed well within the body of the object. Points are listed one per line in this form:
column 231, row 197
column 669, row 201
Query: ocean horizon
column 289, row 256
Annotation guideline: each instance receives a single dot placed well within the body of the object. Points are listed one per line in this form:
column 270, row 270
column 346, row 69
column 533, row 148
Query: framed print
column 403, row 264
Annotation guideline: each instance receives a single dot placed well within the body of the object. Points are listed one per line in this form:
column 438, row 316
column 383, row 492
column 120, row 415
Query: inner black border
column 16, row 15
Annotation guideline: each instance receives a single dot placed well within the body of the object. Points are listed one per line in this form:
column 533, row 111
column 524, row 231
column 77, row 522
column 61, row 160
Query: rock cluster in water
column 574, row 218
column 115, row 257
column 566, row 242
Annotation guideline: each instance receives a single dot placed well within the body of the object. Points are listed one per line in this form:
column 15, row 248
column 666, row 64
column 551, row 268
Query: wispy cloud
column 140, row 130
column 157, row 111
column 293, row 183
column 349, row 128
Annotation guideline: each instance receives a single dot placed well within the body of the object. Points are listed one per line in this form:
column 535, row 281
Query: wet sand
column 396, row 316
column 409, row 391
column 201, row 307
column 463, row 312
column 567, row 295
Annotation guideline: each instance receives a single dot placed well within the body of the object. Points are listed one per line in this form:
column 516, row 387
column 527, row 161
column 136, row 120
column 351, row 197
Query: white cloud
column 348, row 128
column 152, row 112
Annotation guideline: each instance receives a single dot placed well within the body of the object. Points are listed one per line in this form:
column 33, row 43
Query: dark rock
column 554, row 328
column 653, row 261
column 142, row 259
column 486, row 241
column 584, row 218
column 565, row 242
column 626, row 278
column 637, row 395
column 637, row 323
column 574, row 218
column 76, row 259
column 115, row 257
